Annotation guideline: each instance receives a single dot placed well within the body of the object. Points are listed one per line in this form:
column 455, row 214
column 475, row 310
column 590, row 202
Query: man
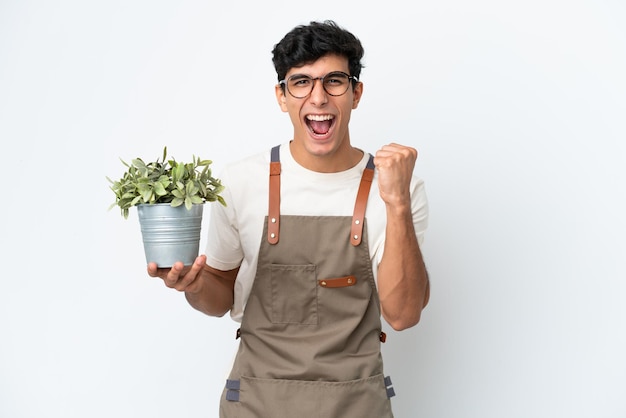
column 309, row 260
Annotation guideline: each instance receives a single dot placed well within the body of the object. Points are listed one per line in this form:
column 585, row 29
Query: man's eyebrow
column 299, row 75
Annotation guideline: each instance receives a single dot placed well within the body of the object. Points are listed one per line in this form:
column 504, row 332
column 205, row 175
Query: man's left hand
column 395, row 164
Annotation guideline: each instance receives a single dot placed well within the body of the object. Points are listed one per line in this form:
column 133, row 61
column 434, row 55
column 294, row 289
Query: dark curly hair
column 305, row 44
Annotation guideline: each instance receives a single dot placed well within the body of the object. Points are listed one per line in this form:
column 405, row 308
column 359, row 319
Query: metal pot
column 170, row 234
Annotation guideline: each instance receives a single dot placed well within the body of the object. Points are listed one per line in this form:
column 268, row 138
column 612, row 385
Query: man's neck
column 341, row 160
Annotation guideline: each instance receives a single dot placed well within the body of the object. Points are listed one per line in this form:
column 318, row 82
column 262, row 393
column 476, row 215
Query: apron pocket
column 277, row 398
column 294, row 294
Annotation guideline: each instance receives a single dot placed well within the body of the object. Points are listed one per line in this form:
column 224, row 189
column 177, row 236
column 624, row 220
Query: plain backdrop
column 516, row 107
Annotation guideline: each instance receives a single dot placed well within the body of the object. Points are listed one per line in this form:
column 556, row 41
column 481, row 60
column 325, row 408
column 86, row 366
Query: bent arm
column 215, row 294
column 207, row 289
column 403, row 284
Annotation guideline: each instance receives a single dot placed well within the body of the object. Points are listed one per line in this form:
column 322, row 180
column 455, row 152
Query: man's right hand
column 208, row 290
column 180, row 277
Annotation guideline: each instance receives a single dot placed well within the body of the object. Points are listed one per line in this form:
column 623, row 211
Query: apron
column 311, row 329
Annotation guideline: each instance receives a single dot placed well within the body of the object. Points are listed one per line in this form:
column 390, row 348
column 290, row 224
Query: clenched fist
column 395, row 164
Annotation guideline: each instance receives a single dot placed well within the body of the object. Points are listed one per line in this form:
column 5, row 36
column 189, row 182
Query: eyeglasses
column 335, row 83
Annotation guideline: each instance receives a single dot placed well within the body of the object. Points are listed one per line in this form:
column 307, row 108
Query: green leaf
column 159, row 190
column 165, row 181
column 146, row 195
column 191, row 188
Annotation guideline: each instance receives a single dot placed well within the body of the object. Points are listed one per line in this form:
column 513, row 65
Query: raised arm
column 403, row 284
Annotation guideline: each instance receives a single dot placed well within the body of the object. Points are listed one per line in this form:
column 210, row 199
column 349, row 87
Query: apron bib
column 311, row 330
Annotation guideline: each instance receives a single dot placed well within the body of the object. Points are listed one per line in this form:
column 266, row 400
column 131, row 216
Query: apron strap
column 358, row 216
column 273, row 219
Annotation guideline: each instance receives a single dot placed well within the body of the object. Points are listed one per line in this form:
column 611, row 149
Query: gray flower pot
column 170, row 234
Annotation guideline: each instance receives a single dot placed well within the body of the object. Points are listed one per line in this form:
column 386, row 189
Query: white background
column 518, row 111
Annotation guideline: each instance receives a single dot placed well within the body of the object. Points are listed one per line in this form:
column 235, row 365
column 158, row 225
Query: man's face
column 320, row 120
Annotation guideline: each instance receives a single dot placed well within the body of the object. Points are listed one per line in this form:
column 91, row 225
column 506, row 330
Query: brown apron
column 311, row 330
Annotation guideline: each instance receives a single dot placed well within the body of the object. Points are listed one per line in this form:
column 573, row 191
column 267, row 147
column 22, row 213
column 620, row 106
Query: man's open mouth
column 320, row 124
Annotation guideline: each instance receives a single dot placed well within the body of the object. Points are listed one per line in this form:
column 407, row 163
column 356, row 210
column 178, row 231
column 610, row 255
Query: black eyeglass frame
column 351, row 80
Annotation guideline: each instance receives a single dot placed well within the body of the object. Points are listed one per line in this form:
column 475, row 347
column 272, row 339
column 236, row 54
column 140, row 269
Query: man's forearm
column 216, row 294
column 402, row 277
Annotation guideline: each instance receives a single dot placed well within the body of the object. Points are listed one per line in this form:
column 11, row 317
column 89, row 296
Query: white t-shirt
column 234, row 236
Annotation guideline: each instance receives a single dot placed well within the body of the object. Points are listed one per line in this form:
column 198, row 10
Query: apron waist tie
column 390, row 392
column 232, row 390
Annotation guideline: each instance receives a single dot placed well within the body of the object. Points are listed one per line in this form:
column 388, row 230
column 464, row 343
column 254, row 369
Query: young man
column 310, row 259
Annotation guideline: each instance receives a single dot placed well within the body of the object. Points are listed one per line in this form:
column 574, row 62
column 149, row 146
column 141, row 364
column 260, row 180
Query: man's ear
column 280, row 97
column 356, row 95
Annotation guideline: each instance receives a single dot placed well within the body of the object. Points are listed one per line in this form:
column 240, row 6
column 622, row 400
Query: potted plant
column 169, row 197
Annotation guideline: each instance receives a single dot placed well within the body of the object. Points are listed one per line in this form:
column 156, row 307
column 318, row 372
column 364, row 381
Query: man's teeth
column 319, row 118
